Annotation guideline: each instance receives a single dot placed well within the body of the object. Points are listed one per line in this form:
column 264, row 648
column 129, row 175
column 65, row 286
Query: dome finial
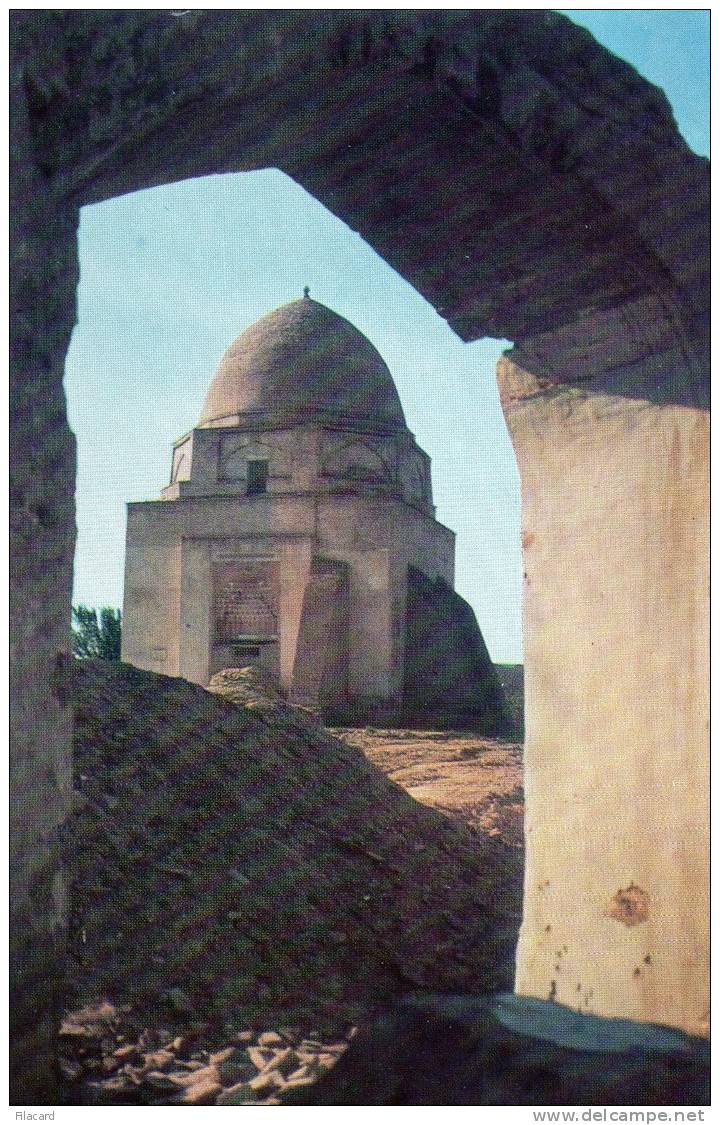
column 306, row 291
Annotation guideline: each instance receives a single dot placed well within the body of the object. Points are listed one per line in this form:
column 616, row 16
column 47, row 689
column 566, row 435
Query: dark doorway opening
column 257, row 477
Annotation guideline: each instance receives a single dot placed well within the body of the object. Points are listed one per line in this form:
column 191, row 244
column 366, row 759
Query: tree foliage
column 93, row 638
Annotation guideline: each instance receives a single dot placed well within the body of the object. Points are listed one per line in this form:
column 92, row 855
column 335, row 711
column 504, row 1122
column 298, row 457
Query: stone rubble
column 162, row 1068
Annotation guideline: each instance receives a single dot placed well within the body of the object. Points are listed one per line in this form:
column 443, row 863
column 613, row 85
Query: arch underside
column 530, row 185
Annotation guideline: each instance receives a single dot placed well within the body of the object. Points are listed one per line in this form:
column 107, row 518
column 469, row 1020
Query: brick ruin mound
column 241, row 866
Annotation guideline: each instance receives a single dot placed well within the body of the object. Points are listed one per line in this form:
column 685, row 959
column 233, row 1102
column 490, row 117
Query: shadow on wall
column 449, row 677
column 512, row 681
column 450, row 681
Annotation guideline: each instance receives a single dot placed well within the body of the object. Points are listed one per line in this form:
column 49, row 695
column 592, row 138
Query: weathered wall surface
column 615, row 537
column 172, row 545
column 529, row 184
column 448, row 671
column 318, row 656
column 42, row 456
column 585, row 241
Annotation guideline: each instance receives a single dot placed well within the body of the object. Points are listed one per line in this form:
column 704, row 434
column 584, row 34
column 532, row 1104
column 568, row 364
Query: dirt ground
column 473, row 779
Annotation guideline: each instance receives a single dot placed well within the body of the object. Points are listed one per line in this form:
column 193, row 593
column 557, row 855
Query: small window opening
column 257, row 477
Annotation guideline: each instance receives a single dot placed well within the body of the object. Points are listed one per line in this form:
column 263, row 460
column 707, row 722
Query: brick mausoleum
column 298, row 533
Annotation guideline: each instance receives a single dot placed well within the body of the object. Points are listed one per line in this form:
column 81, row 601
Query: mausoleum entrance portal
column 245, row 615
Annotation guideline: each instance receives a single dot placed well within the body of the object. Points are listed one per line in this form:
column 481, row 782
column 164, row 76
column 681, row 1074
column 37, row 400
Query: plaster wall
column 372, row 677
column 151, row 634
column 318, row 657
column 359, row 528
column 221, row 517
column 615, row 538
column 213, row 461
column 195, row 611
column 358, row 518
column 334, row 691
column 295, row 563
column 171, row 547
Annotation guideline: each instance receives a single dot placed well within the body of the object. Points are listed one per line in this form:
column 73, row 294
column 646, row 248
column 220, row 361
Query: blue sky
column 169, row 277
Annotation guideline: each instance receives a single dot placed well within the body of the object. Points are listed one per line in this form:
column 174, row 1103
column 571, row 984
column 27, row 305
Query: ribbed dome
column 301, row 361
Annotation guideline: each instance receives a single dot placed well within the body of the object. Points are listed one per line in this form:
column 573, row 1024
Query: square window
column 257, row 477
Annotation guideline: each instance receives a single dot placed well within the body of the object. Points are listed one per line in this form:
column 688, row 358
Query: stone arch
column 495, row 159
column 415, row 478
column 354, row 460
column 235, row 452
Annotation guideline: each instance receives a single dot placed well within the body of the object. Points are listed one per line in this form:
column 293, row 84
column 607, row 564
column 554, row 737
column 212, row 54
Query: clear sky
column 169, row 277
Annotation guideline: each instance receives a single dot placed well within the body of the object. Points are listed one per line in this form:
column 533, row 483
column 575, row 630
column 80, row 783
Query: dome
column 299, row 362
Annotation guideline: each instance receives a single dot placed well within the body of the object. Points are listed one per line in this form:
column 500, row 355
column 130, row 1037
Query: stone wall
column 175, row 546
column 528, row 183
column 321, row 673
column 42, row 458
